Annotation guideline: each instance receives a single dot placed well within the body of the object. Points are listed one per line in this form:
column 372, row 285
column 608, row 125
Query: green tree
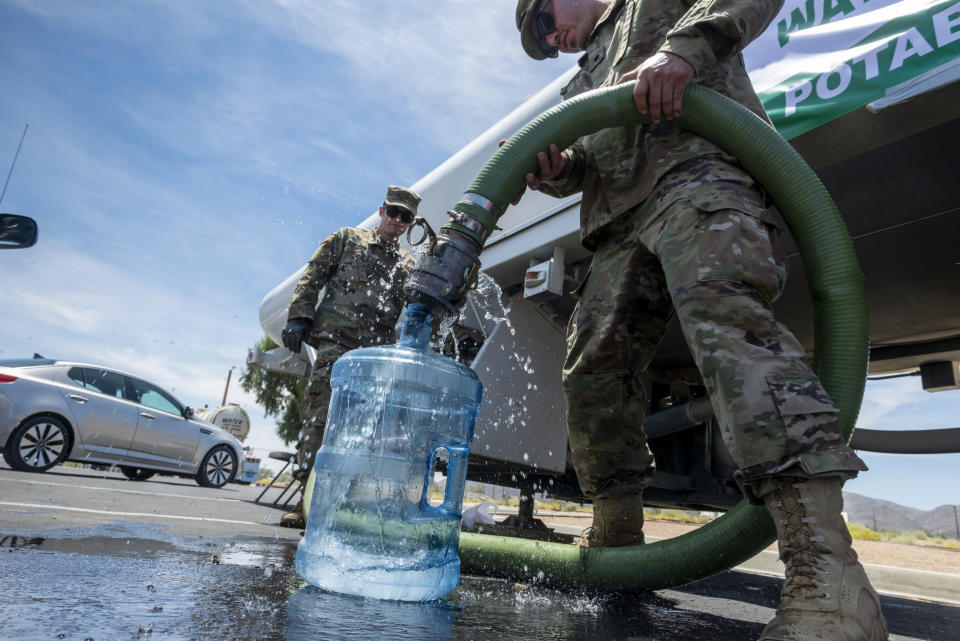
column 280, row 395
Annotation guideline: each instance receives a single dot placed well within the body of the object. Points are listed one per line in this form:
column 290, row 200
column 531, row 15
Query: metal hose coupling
column 443, row 275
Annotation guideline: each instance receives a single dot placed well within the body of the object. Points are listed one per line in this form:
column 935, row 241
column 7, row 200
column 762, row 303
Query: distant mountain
column 941, row 521
column 887, row 515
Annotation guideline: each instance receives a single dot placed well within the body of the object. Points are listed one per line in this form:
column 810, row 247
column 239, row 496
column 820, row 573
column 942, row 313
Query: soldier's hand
column 660, row 82
column 551, row 164
column 294, row 333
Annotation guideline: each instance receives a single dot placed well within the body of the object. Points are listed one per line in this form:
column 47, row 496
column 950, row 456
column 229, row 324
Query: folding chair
column 289, row 458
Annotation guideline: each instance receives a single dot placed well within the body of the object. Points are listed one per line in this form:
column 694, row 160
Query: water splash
column 487, row 298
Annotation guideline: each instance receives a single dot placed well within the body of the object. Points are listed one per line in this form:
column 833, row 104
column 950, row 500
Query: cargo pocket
column 739, row 247
column 799, row 393
column 809, row 415
column 576, row 292
column 595, row 407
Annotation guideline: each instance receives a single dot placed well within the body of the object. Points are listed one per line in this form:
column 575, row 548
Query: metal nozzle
column 443, row 275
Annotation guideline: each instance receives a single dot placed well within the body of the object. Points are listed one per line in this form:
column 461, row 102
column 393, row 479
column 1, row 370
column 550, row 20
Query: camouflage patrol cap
column 402, row 197
column 526, row 17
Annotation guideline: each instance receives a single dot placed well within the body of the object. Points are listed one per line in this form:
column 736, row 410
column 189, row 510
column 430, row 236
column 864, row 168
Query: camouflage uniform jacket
column 363, row 299
column 621, row 167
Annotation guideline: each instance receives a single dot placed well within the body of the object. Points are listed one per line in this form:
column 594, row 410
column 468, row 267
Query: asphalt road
column 91, row 555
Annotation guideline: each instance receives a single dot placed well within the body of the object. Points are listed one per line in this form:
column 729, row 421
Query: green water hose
column 840, row 323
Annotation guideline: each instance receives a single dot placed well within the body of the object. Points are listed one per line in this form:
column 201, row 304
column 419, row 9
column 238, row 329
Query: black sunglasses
column 545, row 26
column 405, row 214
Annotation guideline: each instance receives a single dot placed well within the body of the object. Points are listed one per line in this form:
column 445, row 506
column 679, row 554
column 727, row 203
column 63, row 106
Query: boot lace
column 800, row 550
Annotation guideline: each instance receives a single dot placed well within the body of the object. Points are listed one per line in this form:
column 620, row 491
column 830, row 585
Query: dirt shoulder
column 914, row 557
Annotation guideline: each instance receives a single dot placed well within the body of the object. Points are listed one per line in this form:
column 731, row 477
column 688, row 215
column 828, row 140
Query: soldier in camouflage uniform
column 678, row 227
column 360, row 273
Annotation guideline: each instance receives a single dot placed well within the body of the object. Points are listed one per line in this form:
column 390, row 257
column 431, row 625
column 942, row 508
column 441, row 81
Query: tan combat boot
column 294, row 518
column 616, row 522
column 826, row 595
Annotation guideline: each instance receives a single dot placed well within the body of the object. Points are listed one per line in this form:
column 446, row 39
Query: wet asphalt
column 90, row 555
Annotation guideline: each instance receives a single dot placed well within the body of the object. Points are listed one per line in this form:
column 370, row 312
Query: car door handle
column 145, row 415
column 78, row 398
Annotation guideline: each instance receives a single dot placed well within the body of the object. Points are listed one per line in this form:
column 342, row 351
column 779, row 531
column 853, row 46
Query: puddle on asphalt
column 103, row 588
column 249, row 552
column 123, row 588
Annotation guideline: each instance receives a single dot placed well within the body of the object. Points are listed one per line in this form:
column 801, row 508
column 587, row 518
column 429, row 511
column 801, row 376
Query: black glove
column 294, row 333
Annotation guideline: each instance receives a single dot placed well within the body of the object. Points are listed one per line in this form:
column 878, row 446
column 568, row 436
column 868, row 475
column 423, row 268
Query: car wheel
column 38, row 444
column 217, row 467
column 136, row 473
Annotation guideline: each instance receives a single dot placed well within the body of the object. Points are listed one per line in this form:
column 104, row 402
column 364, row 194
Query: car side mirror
column 187, row 412
column 17, row 231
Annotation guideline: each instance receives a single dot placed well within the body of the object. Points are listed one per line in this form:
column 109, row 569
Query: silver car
column 54, row 411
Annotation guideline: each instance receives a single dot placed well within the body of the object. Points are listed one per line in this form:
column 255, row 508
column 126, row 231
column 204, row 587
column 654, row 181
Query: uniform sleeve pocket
column 594, row 58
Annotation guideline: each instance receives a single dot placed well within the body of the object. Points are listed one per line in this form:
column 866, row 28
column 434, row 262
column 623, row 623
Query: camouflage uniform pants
column 317, row 400
column 718, row 271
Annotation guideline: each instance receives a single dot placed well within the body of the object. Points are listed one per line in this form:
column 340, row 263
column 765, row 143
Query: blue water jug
column 395, row 412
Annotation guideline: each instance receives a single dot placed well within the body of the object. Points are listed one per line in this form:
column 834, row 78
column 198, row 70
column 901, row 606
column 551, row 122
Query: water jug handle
column 456, row 475
column 456, row 467
column 424, row 504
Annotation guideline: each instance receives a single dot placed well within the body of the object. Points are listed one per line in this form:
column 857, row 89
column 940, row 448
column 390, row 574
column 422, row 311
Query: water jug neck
column 416, row 327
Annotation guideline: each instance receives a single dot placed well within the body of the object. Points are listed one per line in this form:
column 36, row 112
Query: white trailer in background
column 871, row 100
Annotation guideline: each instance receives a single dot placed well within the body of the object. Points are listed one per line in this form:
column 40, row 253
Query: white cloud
column 880, row 399
column 902, row 404
column 65, row 299
column 454, row 70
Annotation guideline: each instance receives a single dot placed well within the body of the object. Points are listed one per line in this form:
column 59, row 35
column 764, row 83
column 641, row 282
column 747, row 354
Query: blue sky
column 185, row 157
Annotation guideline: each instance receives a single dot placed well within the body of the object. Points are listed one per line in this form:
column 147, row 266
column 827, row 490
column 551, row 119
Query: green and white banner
column 820, row 59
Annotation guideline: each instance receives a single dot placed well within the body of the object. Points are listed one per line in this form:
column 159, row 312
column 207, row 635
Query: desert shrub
column 863, row 533
column 553, row 506
column 914, row 537
column 681, row 516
